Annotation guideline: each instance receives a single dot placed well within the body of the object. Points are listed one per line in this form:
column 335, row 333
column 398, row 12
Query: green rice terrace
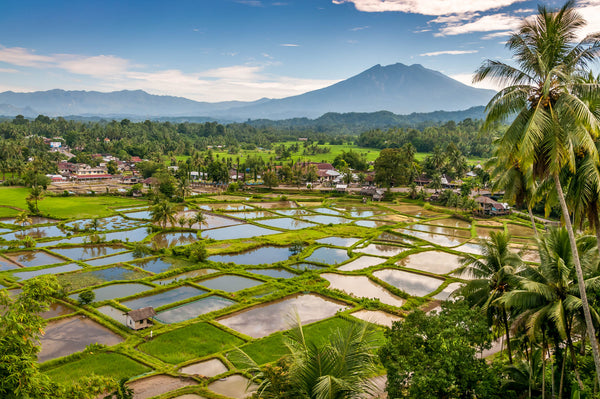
column 331, row 261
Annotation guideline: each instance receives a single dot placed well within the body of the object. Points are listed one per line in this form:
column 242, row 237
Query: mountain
column 397, row 88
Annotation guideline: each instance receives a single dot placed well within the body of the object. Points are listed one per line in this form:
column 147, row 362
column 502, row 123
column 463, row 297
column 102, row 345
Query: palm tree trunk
column 505, row 320
column 532, row 219
column 580, row 282
column 574, row 360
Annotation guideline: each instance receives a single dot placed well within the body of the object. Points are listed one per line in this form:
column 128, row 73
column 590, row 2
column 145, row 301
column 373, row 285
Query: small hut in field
column 140, row 318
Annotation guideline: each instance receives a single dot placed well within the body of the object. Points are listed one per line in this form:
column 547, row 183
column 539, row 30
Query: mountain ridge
column 397, row 88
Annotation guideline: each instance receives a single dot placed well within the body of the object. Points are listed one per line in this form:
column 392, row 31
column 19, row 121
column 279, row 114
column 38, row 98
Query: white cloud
column 251, row 3
column 428, row 7
column 8, row 70
column 495, row 35
column 359, row 28
column 289, row 45
column 448, row 52
column 591, row 12
column 487, row 23
column 108, row 72
column 467, row 78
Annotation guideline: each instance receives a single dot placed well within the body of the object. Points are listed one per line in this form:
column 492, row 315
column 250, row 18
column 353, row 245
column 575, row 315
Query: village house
column 490, row 207
column 140, row 318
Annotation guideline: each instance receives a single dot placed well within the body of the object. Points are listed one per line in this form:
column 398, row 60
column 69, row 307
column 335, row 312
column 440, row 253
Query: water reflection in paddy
column 109, row 260
column 34, row 220
column 327, row 211
column 441, row 230
column 109, row 223
column 193, row 309
column 262, row 320
column 286, row 223
column 361, row 263
column 411, row 283
column 413, row 210
column 235, row 232
column 66, row 336
column 294, row 212
column 338, row 241
column 165, row 240
column 376, row 317
column 164, row 298
column 157, row 265
column 445, row 241
column 83, row 253
column 36, row 233
column 275, row 273
column 70, row 240
column 362, row 287
column 34, row 258
column 229, row 283
column 371, row 224
column 55, row 310
column 447, row 292
column 328, row 256
column 51, row 270
column 183, row 276
column 385, row 236
column 225, row 207
column 274, row 205
column 470, row 248
column 361, row 212
column 146, row 215
column 250, row 215
column 451, row 222
column 381, row 250
column 307, row 266
column 325, row 219
column 116, row 291
column 206, row 368
column 210, row 221
column 261, row 255
column 5, row 264
column 128, row 235
column 431, row 261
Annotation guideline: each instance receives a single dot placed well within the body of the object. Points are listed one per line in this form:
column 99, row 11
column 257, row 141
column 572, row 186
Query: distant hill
column 356, row 122
column 397, row 88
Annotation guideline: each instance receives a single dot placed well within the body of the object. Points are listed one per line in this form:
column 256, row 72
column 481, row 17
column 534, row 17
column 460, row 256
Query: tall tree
column 163, row 213
column 551, row 106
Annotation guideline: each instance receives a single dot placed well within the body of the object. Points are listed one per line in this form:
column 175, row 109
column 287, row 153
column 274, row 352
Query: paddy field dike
column 329, row 261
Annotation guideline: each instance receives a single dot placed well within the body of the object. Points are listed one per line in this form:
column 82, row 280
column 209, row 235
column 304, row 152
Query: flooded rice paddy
column 235, row 386
column 343, row 255
column 262, row 320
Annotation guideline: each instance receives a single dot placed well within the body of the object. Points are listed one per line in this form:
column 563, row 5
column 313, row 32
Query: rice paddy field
column 328, row 261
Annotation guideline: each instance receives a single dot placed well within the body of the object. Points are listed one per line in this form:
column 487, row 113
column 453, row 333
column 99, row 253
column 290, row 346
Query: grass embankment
column 190, row 342
column 112, row 365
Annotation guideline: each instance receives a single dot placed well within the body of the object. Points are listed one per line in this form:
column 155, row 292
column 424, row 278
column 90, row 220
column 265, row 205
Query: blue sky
column 217, row 50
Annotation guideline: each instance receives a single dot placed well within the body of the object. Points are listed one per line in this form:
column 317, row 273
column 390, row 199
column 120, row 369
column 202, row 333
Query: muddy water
column 372, row 224
column 113, row 313
column 362, row 287
column 157, row 385
column 445, row 241
column 34, row 258
column 229, row 283
column 451, row 222
column 470, row 248
column 361, row 263
column 55, row 310
column 67, row 336
column 234, row 386
column 207, row 368
column 376, row 317
column 338, row 241
column 380, row 250
column 411, row 283
column 262, row 320
column 431, row 261
column 447, row 292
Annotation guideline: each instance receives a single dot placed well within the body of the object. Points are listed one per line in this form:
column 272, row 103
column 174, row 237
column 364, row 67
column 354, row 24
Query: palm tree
column 36, row 194
column 182, row 221
column 549, row 294
column 163, row 213
column 551, row 104
column 23, row 219
column 200, row 219
column 493, row 276
column 339, row 368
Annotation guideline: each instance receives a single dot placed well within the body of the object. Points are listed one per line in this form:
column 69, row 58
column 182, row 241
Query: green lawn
column 8, row 212
column 82, row 207
column 111, row 365
column 271, row 348
column 190, row 342
column 14, row 196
